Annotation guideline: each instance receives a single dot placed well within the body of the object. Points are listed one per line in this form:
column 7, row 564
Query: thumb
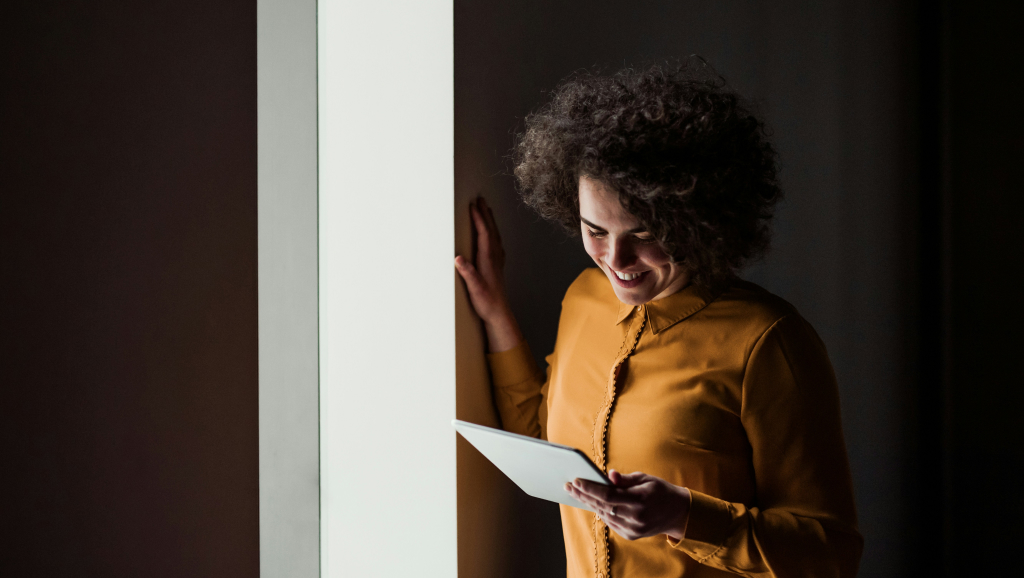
column 475, row 283
column 466, row 270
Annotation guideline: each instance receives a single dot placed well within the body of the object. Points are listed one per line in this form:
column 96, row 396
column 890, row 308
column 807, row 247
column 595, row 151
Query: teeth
column 627, row 276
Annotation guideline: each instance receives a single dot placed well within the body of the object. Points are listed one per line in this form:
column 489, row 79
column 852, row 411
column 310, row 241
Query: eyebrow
column 640, row 229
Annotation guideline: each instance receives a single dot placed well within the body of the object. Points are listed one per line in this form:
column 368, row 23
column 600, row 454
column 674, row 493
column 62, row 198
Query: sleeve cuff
column 512, row 366
column 707, row 526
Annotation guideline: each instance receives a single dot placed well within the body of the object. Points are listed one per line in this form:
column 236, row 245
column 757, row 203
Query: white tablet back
column 540, row 468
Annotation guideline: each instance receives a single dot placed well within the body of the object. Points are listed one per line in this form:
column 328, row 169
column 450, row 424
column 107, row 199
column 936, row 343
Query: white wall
column 288, row 365
column 387, row 362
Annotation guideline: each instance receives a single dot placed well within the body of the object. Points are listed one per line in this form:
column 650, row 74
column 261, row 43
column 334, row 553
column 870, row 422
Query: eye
column 646, row 238
column 596, row 234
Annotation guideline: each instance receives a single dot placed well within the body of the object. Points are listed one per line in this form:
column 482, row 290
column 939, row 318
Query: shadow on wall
column 501, row 530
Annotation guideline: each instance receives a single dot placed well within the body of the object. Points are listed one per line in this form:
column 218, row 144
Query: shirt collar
column 666, row 312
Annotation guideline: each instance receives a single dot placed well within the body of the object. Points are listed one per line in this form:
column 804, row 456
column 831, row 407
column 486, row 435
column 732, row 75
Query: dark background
column 128, row 351
column 128, row 345
column 981, row 245
column 899, row 130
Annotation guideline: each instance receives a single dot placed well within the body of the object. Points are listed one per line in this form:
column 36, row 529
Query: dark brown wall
column 128, row 345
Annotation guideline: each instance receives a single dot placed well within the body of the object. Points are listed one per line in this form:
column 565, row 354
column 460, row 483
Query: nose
column 620, row 255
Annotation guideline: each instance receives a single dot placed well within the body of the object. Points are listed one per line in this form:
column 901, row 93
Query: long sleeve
column 803, row 522
column 519, row 390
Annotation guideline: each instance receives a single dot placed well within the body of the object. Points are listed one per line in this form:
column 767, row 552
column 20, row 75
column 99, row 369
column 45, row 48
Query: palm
column 485, row 281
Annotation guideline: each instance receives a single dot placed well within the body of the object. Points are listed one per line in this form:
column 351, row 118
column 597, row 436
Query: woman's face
column 637, row 267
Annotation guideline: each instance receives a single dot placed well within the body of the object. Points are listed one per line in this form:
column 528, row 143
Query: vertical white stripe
column 288, row 389
column 387, row 361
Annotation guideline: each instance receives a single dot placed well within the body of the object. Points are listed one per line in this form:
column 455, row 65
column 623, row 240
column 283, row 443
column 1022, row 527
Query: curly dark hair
column 685, row 154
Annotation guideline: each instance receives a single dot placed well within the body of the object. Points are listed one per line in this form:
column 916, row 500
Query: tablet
column 539, row 468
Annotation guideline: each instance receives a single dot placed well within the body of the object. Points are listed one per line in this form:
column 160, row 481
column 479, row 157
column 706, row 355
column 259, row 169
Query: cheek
column 592, row 246
column 653, row 256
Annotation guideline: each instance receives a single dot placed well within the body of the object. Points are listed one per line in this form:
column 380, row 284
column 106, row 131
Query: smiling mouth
column 628, row 280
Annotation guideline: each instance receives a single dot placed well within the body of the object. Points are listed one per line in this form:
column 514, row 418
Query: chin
column 630, row 297
column 633, row 302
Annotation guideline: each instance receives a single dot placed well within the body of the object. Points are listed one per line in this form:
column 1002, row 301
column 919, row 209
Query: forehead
column 600, row 205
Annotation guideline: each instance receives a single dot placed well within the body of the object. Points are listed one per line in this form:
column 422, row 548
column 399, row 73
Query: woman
column 715, row 394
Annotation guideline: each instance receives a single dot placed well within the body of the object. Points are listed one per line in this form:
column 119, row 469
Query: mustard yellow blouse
column 733, row 397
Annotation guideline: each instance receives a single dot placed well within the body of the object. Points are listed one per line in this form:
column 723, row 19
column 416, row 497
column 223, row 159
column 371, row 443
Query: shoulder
column 591, row 284
column 591, row 291
column 753, row 302
column 757, row 312
column 775, row 338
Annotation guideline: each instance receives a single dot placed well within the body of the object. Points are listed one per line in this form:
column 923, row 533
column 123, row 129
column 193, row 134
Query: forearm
column 502, row 332
column 518, row 389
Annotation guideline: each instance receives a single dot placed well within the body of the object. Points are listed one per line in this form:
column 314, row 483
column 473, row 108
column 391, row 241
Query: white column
column 288, row 364
column 387, row 342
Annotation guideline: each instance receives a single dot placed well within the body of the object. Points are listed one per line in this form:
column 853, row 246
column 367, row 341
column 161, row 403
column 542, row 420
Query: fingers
column 623, row 514
column 489, row 217
column 486, row 227
column 627, row 480
column 483, row 235
column 621, row 518
column 604, row 509
column 609, row 494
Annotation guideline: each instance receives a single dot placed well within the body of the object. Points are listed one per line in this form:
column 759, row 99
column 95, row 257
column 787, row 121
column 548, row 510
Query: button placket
column 601, row 538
